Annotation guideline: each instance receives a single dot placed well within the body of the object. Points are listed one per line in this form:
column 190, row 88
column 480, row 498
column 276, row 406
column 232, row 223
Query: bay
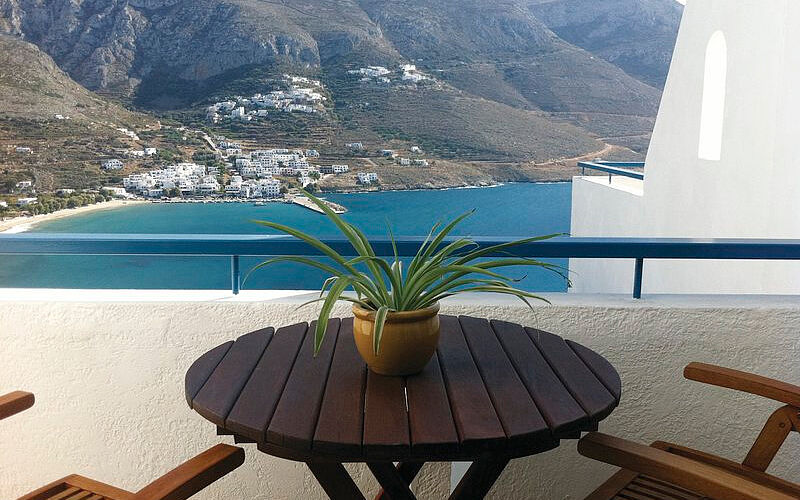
column 512, row 210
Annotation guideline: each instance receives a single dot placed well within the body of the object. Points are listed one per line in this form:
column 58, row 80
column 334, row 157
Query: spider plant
column 441, row 268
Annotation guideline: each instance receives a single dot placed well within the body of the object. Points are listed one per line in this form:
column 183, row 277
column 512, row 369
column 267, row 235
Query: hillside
column 33, row 87
column 636, row 35
column 67, row 128
column 513, row 78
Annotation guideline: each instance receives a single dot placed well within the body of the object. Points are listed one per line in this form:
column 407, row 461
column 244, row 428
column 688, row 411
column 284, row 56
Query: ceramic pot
column 409, row 340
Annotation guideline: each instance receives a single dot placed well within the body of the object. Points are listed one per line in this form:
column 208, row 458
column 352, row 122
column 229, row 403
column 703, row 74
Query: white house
column 64, row 191
column 404, row 162
column 111, row 164
column 23, row 185
column 723, row 158
column 24, row 202
column 3, row 204
column 367, row 177
column 115, row 191
column 23, row 149
column 150, row 151
column 355, row 145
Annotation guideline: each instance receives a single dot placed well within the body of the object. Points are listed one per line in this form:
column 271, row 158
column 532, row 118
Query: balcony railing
column 235, row 246
column 613, row 168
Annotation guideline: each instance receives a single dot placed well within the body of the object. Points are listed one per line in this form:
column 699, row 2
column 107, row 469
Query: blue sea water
column 513, row 210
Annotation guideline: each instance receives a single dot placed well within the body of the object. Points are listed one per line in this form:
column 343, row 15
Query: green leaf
column 325, row 313
column 377, row 333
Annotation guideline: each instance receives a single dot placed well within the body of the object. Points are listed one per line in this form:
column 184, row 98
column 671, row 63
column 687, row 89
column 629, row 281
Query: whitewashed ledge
column 107, row 368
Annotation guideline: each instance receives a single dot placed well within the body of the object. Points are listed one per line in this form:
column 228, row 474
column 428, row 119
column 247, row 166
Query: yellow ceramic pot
column 409, row 340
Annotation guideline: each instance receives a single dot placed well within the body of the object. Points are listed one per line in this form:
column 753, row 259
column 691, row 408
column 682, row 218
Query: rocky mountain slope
column 32, row 87
column 513, row 77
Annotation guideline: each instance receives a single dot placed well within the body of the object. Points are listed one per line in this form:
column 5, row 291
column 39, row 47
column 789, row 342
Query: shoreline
column 24, row 223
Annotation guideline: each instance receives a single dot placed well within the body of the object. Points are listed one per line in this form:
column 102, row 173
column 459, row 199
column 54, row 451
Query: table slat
column 600, row 367
column 473, row 412
column 429, row 416
column 563, row 414
column 341, row 417
column 589, row 392
column 295, row 418
column 222, row 388
column 385, row 417
column 253, row 410
column 512, row 401
column 202, row 368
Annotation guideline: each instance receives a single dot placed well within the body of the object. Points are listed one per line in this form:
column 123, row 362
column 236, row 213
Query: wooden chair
column 178, row 484
column 668, row 471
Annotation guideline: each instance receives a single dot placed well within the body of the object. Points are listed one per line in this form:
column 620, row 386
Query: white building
column 115, row 191
column 64, row 191
column 3, row 204
column 723, row 158
column 150, row 151
column 355, row 145
column 404, row 162
column 24, row 150
column 111, row 164
column 334, row 169
column 367, row 177
column 24, row 202
column 23, row 185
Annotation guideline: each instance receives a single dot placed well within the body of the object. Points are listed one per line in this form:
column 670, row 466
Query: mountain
column 33, row 87
column 636, row 35
column 510, row 79
column 67, row 127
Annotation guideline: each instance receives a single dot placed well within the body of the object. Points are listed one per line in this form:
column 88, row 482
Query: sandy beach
column 22, row 224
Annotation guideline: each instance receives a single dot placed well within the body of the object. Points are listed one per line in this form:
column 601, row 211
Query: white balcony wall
column 723, row 159
column 107, row 368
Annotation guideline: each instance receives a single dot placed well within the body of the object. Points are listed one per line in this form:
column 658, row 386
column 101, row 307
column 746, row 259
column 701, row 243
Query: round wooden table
column 494, row 391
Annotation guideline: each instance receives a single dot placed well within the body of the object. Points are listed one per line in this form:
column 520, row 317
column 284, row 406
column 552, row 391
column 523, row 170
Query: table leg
column 408, row 471
column 335, row 480
column 394, row 485
column 479, row 479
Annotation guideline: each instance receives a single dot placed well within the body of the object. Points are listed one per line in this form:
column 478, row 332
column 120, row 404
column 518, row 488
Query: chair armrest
column 15, row 402
column 745, row 382
column 659, row 464
column 193, row 475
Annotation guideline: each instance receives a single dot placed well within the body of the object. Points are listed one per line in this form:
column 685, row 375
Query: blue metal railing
column 614, row 168
column 235, row 246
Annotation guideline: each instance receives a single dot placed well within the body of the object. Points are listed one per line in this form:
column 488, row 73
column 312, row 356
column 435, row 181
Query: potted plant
column 396, row 323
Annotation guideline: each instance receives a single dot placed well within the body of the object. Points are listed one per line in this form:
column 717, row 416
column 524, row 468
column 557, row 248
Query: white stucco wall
column 107, row 369
column 752, row 191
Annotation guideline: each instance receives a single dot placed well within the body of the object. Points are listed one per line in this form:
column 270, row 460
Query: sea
column 512, row 210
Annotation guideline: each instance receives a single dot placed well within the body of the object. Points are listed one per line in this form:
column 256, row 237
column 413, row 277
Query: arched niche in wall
column 712, row 115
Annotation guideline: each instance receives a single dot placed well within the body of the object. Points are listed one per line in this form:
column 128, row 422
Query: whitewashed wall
column 107, row 369
column 752, row 191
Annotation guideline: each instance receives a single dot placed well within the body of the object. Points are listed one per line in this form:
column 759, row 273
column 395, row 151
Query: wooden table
column 495, row 391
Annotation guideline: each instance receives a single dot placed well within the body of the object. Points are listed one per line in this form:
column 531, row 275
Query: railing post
column 235, row 275
column 637, row 279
